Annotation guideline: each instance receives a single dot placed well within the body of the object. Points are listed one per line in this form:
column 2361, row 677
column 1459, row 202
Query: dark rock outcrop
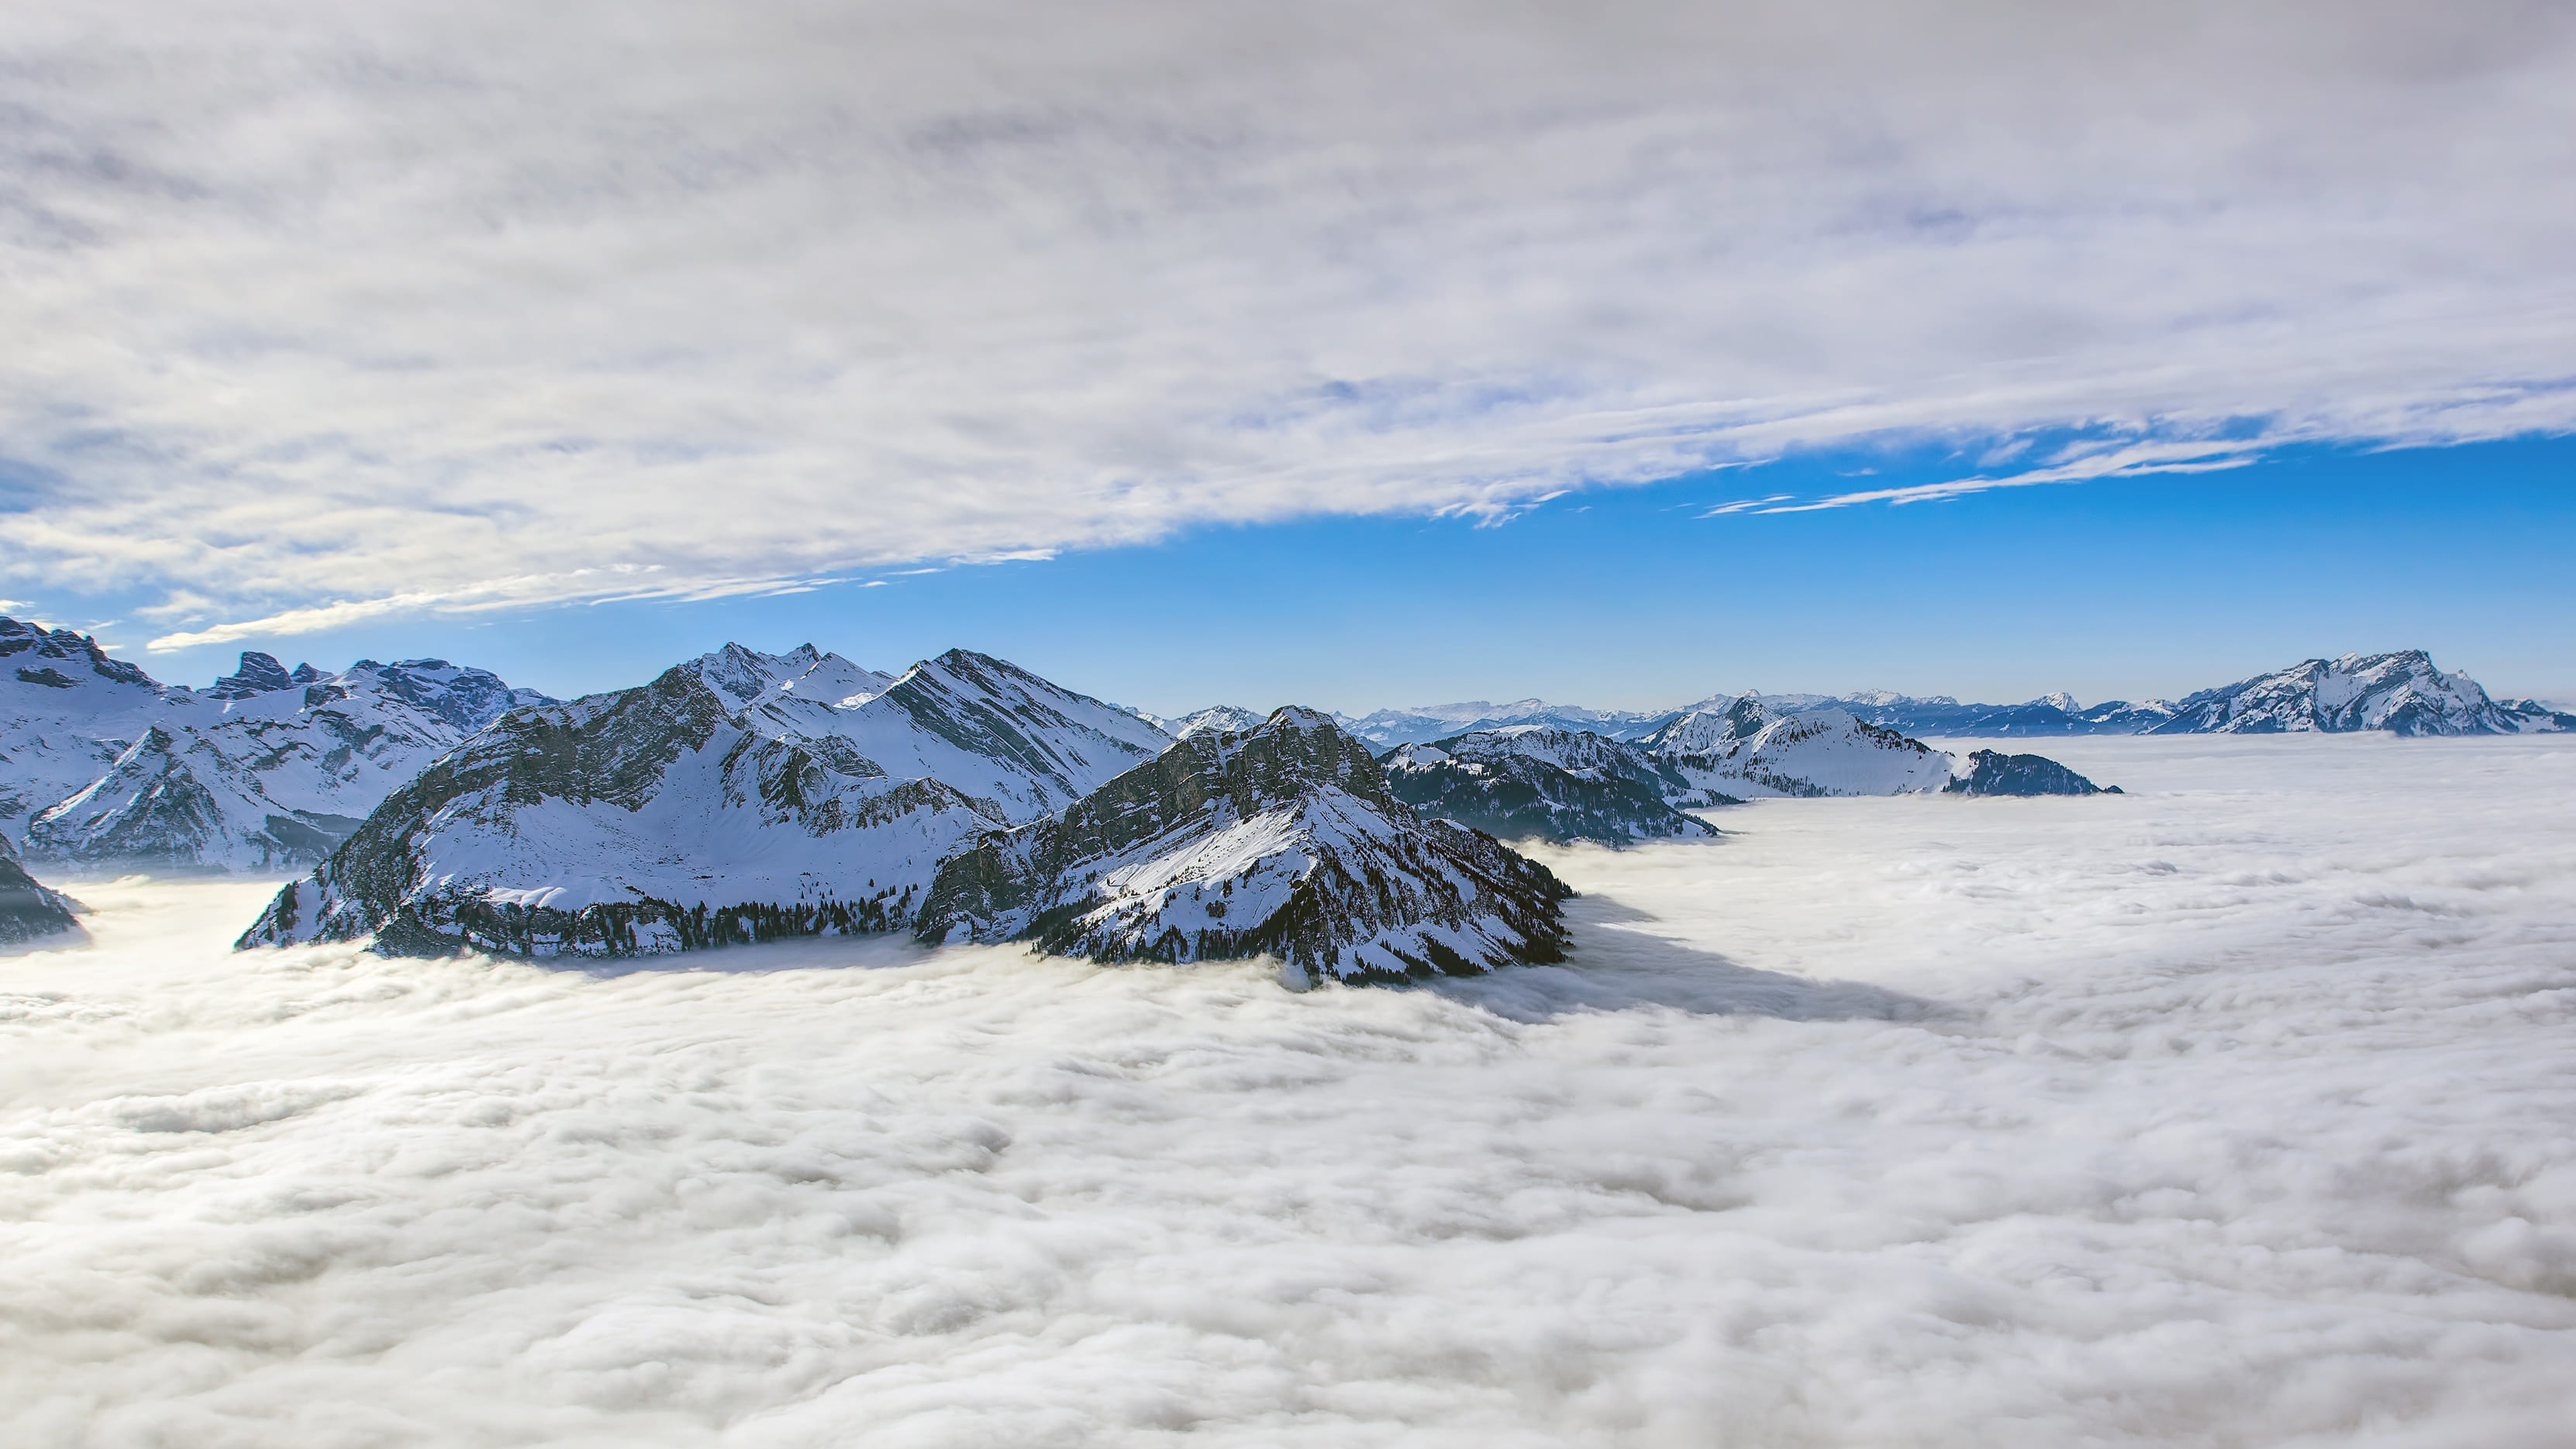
column 1537, row 783
column 28, row 911
column 1284, row 840
column 1992, row 772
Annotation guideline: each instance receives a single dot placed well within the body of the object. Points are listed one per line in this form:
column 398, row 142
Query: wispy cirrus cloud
column 433, row 307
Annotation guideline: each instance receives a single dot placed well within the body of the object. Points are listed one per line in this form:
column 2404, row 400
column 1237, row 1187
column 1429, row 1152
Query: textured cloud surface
column 323, row 313
column 2234, row 1111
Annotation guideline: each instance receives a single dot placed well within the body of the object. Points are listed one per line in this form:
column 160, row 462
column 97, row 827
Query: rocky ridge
column 1524, row 782
column 1285, row 839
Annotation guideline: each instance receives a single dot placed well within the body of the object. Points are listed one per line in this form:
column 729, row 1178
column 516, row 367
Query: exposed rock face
column 2401, row 693
column 1992, row 772
column 1532, row 782
column 1285, row 840
column 28, row 911
column 678, row 816
column 1744, row 747
column 260, row 674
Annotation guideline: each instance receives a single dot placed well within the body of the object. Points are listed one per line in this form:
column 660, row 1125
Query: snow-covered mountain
column 27, row 909
column 2402, row 693
column 2053, row 714
column 1526, row 782
column 1284, row 840
column 676, row 816
column 742, row 676
column 1221, row 718
column 66, row 711
column 1746, row 748
column 1992, row 772
column 1386, row 728
column 267, row 768
column 1018, row 745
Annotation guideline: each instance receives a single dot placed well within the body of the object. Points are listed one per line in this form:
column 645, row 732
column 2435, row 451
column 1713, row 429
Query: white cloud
column 2234, row 1110
column 316, row 310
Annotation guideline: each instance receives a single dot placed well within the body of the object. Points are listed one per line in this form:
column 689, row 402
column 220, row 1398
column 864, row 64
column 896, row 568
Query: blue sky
column 1179, row 350
column 1635, row 597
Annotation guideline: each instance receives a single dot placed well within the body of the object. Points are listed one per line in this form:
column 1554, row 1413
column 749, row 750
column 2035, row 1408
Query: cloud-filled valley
column 440, row 307
column 2232, row 1110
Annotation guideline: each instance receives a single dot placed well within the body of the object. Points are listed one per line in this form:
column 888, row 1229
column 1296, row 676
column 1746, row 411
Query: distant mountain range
column 2402, row 693
column 265, row 769
column 744, row 796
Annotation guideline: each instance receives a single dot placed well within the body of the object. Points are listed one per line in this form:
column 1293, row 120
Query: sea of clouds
column 2237, row 1110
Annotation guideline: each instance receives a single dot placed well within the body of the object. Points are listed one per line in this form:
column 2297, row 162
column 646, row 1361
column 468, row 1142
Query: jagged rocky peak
column 2403, row 693
column 28, row 911
column 1525, row 782
column 1283, row 840
column 1992, row 772
column 743, row 677
column 61, row 658
column 260, row 674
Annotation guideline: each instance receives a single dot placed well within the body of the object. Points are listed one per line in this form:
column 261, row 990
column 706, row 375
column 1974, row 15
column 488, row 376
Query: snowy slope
column 646, row 820
column 1221, row 718
column 742, row 676
column 1527, row 782
column 66, row 711
column 1746, row 748
column 1015, row 742
column 1284, row 840
column 267, row 768
column 2403, row 693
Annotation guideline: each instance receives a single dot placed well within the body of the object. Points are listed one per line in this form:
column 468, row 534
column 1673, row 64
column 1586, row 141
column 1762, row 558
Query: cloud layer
column 321, row 314
column 2232, row 1111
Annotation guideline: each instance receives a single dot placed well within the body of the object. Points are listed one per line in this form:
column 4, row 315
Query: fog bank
column 2235, row 1110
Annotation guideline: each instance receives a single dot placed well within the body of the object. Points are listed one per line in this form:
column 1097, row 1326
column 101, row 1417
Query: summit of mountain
column 1283, row 840
column 716, row 804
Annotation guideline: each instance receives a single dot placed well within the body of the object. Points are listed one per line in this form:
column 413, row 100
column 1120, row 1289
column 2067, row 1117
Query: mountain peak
column 1285, row 841
column 258, row 674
